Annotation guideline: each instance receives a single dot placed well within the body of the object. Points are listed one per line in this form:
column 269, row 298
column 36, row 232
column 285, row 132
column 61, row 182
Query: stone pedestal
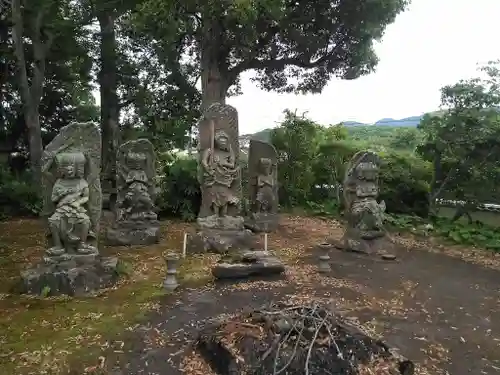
column 262, row 222
column 248, row 263
column 75, row 275
column 220, row 235
column 133, row 233
column 373, row 243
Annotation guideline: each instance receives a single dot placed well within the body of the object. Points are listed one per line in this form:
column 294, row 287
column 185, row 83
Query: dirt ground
column 440, row 306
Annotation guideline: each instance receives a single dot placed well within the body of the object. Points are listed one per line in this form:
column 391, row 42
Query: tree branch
column 279, row 64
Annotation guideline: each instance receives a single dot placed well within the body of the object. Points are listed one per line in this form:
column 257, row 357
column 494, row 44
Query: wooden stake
column 184, row 245
column 265, row 241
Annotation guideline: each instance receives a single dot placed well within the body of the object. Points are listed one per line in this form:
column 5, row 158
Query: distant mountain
column 408, row 121
column 353, row 123
column 413, row 121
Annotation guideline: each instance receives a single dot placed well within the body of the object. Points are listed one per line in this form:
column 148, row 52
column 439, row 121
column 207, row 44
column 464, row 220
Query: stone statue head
column 367, row 171
column 221, row 140
column 71, row 164
column 136, row 160
column 266, row 166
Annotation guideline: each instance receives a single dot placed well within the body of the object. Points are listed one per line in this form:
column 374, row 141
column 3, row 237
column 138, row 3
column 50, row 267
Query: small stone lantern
column 170, row 283
column 324, row 258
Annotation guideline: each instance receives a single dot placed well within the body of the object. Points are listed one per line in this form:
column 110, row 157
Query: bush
column 18, row 195
column 180, row 190
column 404, row 184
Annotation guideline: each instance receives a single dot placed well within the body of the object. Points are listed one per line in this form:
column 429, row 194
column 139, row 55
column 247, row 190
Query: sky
column 432, row 44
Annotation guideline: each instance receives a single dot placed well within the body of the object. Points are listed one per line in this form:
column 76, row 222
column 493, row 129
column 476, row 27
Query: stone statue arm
column 67, row 199
column 231, row 162
column 205, row 161
column 57, row 193
column 84, row 197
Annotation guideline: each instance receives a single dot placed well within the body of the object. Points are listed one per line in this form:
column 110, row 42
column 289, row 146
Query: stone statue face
column 367, row 171
column 136, row 160
column 266, row 166
column 70, row 165
column 222, row 140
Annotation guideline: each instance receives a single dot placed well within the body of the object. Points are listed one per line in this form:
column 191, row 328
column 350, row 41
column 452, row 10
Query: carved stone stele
column 136, row 221
column 220, row 221
column 72, row 200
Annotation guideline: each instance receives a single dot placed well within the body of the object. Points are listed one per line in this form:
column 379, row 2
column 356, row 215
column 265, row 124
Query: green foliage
column 18, row 196
column 404, row 184
column 67, row 92
column 463, row 143
column 180, row 194
column 296, row 141
column 312, row 167
column 475, row 234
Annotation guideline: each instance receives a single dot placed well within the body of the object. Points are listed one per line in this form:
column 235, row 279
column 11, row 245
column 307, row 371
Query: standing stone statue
column 365, row 216
column 136, row 221
column 220, row 221
column 263, row 187
column 72, row 206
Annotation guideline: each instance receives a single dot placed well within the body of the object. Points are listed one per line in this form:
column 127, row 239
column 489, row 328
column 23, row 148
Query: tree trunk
column 213, row 88
column 35, row 143
column 214, row 74
column 110, row 112
column 31, row 95
column 436, row 183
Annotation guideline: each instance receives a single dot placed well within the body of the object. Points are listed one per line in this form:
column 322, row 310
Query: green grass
column 488, row 218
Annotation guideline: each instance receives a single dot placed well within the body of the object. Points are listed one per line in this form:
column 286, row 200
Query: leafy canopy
column 294, row 46
column 464, row 143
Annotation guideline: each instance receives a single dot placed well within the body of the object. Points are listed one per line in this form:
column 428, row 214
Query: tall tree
column 65, row 88
column 464, row 142
column 295, row 46
column 31, row 90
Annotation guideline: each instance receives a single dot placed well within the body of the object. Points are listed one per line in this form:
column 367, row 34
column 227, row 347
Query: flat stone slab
column 127, row 235
column 220, row 241
column 70, row 277
column 262, row 222
column 248, row 263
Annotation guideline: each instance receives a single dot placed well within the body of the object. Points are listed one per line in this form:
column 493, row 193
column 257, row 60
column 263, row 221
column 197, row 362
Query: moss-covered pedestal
column 73, row 275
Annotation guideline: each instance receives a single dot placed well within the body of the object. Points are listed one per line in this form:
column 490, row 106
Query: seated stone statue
column 70, row 223
column 220, row 172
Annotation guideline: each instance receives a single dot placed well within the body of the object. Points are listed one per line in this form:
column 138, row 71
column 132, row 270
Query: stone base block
column 382, row 246
column 262, row 222
column 74, row 277
column 224, row 222
column 220, row 241
column 248, row 263
column 126, row 235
